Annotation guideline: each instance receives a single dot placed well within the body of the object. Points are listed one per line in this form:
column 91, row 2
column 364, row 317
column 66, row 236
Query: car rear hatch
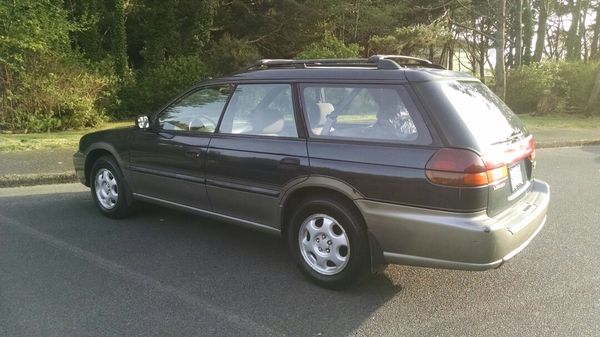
column 502, row 141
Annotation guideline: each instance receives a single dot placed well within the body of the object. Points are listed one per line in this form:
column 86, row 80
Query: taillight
column 463, row 168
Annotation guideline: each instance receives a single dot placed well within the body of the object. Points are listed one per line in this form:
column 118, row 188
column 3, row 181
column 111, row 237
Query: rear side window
column 484, row 113
column 363, row 112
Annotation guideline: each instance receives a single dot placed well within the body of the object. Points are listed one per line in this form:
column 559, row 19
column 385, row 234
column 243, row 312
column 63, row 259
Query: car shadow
column 239, row 271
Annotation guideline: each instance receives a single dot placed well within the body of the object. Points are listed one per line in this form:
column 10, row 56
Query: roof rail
column 386, row 62
column 415, row 61
column 287, row 63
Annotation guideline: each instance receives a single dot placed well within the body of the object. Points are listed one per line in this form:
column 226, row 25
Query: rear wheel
column 109, row 190
column 329, row 242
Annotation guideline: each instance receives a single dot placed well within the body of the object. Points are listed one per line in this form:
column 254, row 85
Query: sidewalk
column 39, row 167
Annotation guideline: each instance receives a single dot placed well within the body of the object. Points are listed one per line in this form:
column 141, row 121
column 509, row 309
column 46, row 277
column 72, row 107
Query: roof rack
column 387, row 62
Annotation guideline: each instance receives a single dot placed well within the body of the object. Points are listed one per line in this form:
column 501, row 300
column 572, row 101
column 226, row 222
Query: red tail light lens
column 462, row 168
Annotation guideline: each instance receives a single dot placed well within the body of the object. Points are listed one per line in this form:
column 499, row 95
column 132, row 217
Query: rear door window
column 363, row 112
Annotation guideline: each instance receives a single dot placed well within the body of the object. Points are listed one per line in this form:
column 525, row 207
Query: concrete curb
column 566, row 143
column 14, row 180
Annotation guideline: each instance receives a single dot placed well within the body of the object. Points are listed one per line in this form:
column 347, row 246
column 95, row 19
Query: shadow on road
column 237, row 270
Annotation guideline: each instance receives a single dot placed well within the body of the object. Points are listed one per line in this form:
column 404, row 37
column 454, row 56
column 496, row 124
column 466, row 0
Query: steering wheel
column 202, row 119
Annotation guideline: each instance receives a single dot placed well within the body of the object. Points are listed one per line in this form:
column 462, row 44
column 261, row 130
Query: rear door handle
column 289, row 162
column 192, row 154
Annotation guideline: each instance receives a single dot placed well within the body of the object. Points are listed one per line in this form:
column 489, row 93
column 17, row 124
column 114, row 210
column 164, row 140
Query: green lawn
column 560, row 121
column 50, row 140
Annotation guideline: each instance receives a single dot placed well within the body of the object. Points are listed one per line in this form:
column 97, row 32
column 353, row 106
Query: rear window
column 485, row 114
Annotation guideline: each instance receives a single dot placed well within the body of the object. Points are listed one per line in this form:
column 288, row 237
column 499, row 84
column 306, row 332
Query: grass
column 47, row 141
column 560, row 121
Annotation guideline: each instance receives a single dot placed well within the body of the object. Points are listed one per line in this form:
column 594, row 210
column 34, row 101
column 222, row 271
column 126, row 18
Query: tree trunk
column 595, row 52
column 119, row 39
column 594, row 100
column 573, row 41
column 541, row 32
column 500, row 43
column 528, row 26
column 519, row 35
column 483, row 49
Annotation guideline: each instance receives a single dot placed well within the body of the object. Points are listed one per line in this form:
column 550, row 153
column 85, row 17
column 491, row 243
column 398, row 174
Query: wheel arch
column 316, row 185
column 96, row 151
column 333, row 187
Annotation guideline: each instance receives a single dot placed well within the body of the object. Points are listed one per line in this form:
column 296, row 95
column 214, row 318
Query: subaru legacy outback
column 356, row 163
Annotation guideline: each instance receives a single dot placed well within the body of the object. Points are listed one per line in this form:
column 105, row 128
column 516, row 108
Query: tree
column 528, row 26
column 119, row 39
column 329, row 47
column 573, row 38
column 519, row 33
column 543, row 8
column 594, row 49
column 500, row 45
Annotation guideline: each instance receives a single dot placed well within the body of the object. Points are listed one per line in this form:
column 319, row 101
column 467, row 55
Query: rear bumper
column 472, row 241
column 79, row 164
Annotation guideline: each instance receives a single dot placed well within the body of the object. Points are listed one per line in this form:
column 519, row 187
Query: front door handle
column 192, row 154
column 289, row 162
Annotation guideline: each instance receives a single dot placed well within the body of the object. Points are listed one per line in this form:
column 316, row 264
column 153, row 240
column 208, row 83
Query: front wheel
column 108, row 188
column 329, row 242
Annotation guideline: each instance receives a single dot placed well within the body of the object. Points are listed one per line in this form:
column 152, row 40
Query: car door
column 168, row 161
column 256, row 153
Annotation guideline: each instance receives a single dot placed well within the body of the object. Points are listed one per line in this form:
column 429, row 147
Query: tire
column 328, row 240
column 109, row 189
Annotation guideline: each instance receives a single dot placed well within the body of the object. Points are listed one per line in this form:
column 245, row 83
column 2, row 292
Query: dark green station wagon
column 356, row 163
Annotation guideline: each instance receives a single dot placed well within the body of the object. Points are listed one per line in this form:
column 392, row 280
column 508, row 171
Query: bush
column 152, row 88
column 229, row 55
column 53, row 94
column 329, row 47
column 570, row 85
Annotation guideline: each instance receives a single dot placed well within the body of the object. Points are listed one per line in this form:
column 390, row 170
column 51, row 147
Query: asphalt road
column 67, row 271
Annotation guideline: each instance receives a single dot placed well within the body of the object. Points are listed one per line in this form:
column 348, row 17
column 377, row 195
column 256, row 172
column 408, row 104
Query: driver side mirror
column 142, row 122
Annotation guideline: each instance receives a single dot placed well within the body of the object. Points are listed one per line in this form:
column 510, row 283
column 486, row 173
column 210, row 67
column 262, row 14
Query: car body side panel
column 170, row 167
column 393, row 174
column 247, row 175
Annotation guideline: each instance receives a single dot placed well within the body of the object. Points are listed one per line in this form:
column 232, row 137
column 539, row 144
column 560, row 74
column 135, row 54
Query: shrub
column 229, row 55
column 570, row 85
column 53, row 94
column 329, row 47
column 152, row 88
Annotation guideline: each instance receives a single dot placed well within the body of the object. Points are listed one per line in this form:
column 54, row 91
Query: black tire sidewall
column 358, row 266
column 122, row 206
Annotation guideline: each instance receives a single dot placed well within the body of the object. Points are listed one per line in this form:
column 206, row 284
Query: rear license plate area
column 516, row 177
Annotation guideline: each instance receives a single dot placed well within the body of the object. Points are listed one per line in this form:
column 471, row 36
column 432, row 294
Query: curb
column 17, row 180
column 566, row 143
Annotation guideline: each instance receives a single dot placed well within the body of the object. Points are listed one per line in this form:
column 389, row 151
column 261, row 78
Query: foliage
column 329, row 47
column 413, row 40
column 569, row 85
column 229, row 55
column 152, row 88
column 44, row 85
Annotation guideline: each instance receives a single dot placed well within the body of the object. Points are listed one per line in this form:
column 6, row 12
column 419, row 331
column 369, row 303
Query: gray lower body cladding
column 468, row 241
